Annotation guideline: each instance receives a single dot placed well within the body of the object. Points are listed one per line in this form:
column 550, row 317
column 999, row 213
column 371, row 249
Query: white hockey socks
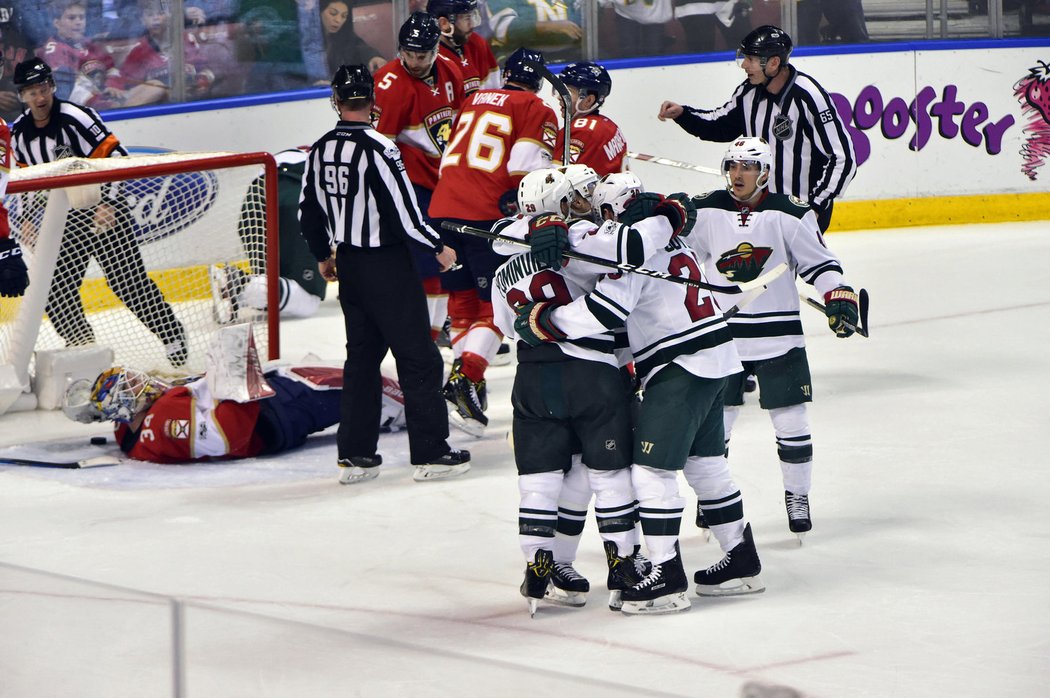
column 572, row 511
column 537, row 511
column 659, row 509
column 795, row 447
column 293, row 300
column 615, row 508
column 719, row 497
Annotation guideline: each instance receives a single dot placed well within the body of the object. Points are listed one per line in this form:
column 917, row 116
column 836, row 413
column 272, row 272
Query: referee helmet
column 32, row 71
column 352, row 82
column 765, row 42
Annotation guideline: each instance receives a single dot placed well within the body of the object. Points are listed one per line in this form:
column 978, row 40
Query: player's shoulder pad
column 717, row 199
column 785, row 203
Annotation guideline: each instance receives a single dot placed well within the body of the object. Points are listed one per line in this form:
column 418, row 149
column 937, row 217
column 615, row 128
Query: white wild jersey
column 518, row 280
column 666, row 322
column 738, row 243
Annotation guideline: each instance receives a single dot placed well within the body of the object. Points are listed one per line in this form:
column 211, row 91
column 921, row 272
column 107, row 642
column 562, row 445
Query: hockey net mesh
column 146, row 291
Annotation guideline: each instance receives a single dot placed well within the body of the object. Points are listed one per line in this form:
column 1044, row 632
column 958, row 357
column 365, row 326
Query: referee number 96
column 337, row 179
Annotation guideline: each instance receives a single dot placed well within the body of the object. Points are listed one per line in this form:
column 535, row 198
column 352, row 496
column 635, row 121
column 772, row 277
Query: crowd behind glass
column 111, row 54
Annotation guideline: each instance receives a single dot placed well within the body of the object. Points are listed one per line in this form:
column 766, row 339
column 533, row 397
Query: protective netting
column 132, row 266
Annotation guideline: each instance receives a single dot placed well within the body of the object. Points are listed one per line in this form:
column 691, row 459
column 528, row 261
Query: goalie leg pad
column 294, row 412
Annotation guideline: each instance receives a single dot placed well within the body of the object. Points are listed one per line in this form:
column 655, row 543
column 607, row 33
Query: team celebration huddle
column 452, row 202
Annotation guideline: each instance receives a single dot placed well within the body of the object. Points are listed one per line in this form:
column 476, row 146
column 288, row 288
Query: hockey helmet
column 420, row 32
column 352, row 82
column 520, row 69
column 749, row 149
column 583, row 179
column 613, row 191
column 543, row 191
column 120, row 394
column 589, row 78
column 451, row 8
column 32, row 71
column 765, row 42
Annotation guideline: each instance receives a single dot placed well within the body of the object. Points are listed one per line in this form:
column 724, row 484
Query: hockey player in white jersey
column 739, row 232
column 683, row 352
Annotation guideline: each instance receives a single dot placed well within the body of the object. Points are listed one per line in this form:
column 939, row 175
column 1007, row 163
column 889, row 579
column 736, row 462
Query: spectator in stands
column 641, row 28
column 342, row 45
column 15, row 47
column 704, row 20
column 281, row 42
column 549, row 26
column 68, row 47
column 845, row 22
column 148, row 64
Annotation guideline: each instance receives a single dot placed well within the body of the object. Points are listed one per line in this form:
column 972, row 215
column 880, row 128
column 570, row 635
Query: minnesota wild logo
column 744, row 263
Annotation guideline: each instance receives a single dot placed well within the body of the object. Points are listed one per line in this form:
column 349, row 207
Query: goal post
column 123, row 253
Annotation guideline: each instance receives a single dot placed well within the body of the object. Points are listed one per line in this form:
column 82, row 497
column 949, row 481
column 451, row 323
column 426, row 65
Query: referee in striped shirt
column 813, row 156
column 51, row 129
column 357, row 199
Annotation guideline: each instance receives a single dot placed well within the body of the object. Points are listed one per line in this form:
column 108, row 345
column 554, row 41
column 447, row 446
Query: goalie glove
column 13, row 274
column 534, row 325
column 548, row 238
column 840, row 305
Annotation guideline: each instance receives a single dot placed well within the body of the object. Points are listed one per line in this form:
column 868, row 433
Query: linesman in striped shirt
column 359, row 214
column 813, row 156
column 50, row 129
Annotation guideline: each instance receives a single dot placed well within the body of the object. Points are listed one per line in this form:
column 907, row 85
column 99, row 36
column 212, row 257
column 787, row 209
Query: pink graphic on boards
column 1033, row 92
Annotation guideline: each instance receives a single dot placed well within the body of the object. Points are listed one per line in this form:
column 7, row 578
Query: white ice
column 926, row 573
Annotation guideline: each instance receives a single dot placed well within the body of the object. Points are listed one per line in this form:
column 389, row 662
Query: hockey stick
column 566, row 103
column 862, row 310
column 95, row 462
column 657, row 160
column 743, row 287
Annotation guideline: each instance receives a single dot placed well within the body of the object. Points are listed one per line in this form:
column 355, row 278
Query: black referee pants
column 384, row 307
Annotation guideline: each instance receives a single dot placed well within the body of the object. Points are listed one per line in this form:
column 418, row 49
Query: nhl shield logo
column 782, row 127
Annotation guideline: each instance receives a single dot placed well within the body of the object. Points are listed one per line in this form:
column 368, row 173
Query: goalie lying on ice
column 164, row 423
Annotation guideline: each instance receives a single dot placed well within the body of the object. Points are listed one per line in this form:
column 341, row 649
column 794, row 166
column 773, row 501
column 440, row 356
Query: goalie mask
column 545, row 191
column 612, row 192
column 121, row 394
column 754, row 154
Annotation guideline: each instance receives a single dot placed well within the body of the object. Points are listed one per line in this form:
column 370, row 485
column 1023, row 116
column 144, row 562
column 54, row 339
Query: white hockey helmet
column 749, row 149
column 583, row 179
column 543, row 191
column 613, row 191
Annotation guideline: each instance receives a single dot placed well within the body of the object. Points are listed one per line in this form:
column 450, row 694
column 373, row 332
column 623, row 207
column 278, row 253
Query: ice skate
column 452, row 464
column 701, row 523
column 466, row 411
column 798, row 514
column 502, row 357
column 660, row 591
column 226, row 281
column 735, row 574
column 537, row 576
column 567, row 586
column 356, row 469
column 624, row 572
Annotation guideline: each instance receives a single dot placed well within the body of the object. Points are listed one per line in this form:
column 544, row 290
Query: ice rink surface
column 926, row 573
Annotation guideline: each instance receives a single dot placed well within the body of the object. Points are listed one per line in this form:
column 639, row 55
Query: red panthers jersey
column 477, row 63
column 417, row 114
column 596, row 141
column 185, row 424
column 499, row 137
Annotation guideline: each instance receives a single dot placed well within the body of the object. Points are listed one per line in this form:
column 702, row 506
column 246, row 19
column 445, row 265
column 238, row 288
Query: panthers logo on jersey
column 743, row 263
column 439, row 126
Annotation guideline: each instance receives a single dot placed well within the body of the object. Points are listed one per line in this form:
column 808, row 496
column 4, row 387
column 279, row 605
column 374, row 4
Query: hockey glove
column 13, row 274
column 508, row 203
column 534, row 325
column 640, row 207
column 548, row 238
column 679, row 211
column 840, row 305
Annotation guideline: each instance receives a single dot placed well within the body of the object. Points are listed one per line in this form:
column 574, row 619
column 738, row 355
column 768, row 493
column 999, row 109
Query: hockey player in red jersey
column 417, row 96
column 458, row 19
column 163, row 423
column 594, row 139
column 499, row 137
column 14, row 278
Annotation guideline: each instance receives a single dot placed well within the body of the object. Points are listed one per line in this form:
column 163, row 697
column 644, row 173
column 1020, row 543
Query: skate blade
column 801, row 537
column 426, row 473
column 354, row 476
column 671, row 603
column 737, row 587
column 465, row 424
column 563, row 597
column 533, row 605
column 615, row 602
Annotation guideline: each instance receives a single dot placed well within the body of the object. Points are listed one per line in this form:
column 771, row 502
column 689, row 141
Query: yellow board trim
column 939, row 210
column 177, row 285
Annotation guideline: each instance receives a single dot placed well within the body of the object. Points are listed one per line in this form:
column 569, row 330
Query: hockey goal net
column 122, row 254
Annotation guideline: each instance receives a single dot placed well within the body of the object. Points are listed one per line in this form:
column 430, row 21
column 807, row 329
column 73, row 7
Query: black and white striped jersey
column 813, row 156
column 356, row 191
column 72, row 131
